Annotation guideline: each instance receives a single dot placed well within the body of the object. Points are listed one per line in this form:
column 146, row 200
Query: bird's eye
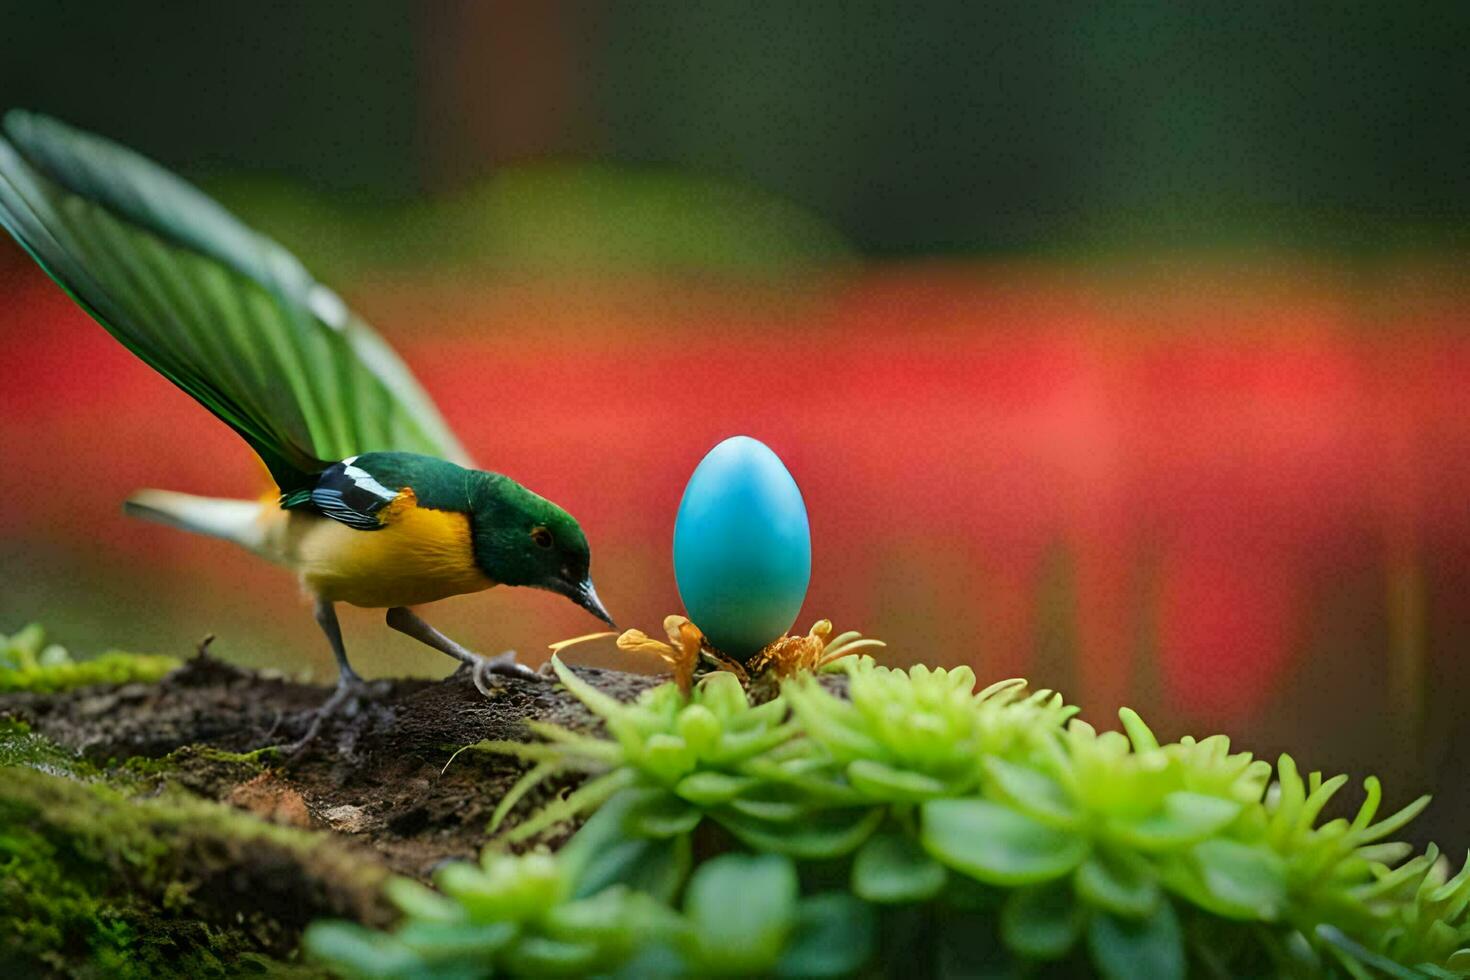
column 541, row 537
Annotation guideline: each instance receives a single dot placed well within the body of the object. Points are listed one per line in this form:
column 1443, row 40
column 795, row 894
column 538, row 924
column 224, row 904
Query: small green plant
column 936, row 830
column 682, row 759
column 29, row 663
column 909, row 736
column 604, row 905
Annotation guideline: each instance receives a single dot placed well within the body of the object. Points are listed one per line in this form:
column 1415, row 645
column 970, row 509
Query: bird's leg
column 405, row 620
column 350, row 686
column 326, row 618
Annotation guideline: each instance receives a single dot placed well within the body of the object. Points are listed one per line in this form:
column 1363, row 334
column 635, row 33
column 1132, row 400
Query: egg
column 742, row 547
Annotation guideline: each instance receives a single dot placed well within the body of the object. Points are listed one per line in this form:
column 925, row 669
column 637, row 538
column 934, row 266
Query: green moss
column 222, row 766
column 19, row 746
column 93, row 883
column 195, row 767
column 28, row 663
column 56, row 913
column 118, row 870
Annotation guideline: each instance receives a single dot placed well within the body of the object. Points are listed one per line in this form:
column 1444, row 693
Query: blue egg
column 742, row 547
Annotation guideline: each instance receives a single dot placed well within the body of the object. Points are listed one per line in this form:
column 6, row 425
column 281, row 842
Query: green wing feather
column 220, row 310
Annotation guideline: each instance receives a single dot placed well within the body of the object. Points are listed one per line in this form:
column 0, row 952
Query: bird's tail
column 242, row 521
column 220, row 310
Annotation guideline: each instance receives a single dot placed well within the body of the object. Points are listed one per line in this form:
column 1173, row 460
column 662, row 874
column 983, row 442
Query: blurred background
column 1123, row 348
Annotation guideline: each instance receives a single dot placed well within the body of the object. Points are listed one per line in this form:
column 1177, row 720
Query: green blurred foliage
column 557, row 219
column 29, row 663
column 948, row 127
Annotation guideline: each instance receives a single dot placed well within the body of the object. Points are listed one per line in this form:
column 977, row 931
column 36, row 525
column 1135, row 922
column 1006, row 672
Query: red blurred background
column 1254, row 524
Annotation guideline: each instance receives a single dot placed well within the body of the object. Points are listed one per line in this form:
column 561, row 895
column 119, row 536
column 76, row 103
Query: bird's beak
column 586, row 597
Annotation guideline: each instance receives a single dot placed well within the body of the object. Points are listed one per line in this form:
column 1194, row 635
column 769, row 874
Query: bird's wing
column 351, row 495
column 220, row 310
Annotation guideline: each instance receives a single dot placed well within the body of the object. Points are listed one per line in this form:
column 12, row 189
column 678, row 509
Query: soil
column 381, row 780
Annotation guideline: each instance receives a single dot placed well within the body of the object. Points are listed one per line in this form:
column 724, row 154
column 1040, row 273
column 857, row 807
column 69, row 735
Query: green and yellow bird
column 377, row 505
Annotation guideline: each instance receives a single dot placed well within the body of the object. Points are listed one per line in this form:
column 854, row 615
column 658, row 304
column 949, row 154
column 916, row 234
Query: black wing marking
column 351, row 495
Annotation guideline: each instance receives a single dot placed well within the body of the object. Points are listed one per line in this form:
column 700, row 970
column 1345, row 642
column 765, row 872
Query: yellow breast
column 418, row 555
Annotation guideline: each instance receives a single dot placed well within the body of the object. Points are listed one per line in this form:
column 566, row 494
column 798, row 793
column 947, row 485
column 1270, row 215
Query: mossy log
column 149, row 829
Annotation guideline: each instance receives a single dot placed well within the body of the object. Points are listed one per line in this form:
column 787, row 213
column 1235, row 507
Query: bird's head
column 521, row 538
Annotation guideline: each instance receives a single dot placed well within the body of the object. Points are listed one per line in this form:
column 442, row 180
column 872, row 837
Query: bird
column 372, row 501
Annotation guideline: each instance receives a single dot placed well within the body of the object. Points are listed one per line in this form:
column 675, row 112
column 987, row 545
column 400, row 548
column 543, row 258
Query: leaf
column 892, row 867
column 53, row 655
column 604, row 829
column 1138, row 733
column 656, row 867
column 698, row 727
column 668, row 758
column 1244, row 881
column 419, row 901
column 447, row 942
column 1299, row 956
column 362, row 952
column 1350, row 952
column 997, row 845
column 1127, row 949
column 771, row 811
column 1184, row 818
column 737, row 747
column 587, row 747
column 1121, row 884
column 712, row 788
column 590, row 794
column 810, row 777
column 1438, row 972
column 603, row 705
column 663, row 816
column 28, row 640
column 834, row 937
column 824, row 835
column 742, row 908
column 774, row 803
column 655, row 961
column 1395, row 822
column 832, row 722
column 506, row 888
column 615, row 918
column 1032, row 792
column 538, row 956
column 883, row 782
column 723, row 694
column 528, row 781
column 1043, row 922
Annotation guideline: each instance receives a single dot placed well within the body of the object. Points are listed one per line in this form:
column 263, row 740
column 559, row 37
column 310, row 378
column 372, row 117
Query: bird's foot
column 481, row 669
column 347, row 700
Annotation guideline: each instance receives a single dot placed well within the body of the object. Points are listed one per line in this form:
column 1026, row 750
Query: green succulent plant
column 600, row 907
column 29, row 663
column 909, row 736
column 681, row 759
column 943, row 831
column 506, row 915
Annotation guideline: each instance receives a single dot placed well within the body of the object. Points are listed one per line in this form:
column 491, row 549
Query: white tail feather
column 233, row 520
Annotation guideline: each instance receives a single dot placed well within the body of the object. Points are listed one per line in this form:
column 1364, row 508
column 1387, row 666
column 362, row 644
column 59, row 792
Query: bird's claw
column 347, row 700
column 503, row 665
